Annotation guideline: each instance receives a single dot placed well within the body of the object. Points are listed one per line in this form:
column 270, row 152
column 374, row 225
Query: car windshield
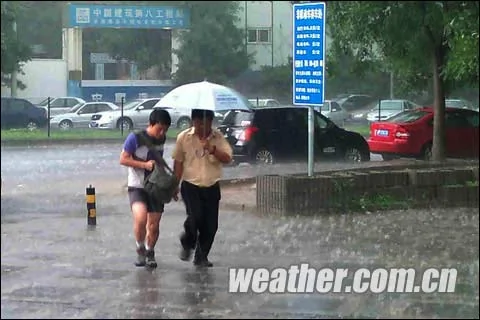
column 75, row 109
column 132, row 104
column 237, row 118
column 408, row 116
column 44, row 103
column 389, row 105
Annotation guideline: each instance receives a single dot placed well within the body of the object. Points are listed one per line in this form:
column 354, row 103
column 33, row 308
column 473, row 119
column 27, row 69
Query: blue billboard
column 309, row 54
column 118, row 16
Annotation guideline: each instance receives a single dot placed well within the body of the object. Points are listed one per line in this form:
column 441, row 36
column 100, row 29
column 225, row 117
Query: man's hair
column 160, row 116
column 202, row 114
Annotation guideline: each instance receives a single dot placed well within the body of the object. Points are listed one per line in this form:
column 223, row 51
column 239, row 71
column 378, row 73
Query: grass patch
column 74, row 134
column 364, row 130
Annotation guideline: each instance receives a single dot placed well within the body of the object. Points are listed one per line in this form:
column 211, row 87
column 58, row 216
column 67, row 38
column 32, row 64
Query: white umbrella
column 206, row 96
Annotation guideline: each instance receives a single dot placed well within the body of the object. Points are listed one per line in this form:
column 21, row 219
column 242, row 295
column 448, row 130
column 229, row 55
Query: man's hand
column 175, row 194
column 207, row 146
column 148, row 165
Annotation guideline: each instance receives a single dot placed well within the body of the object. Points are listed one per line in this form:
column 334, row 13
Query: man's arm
column 129, row 148
column 178, row 157
column 223, row 152
column 126, row 159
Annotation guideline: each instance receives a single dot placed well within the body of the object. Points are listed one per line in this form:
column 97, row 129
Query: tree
column 410, row 36
column 14, row 52
column 214, row 47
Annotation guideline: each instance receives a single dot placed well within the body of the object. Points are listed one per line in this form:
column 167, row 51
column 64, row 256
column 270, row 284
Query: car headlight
column 358, row 115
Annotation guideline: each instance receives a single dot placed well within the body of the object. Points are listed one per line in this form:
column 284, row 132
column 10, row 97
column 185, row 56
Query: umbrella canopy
column 205, row 95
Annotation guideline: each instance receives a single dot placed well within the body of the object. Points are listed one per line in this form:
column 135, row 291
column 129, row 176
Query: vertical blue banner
column 309, row 54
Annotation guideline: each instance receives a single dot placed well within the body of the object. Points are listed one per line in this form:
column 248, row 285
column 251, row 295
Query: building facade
column 269, row 26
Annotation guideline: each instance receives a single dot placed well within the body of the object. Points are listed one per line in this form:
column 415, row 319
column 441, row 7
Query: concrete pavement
column 54, row 266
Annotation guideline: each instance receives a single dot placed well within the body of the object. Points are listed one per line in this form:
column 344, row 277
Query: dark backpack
column 160, row 185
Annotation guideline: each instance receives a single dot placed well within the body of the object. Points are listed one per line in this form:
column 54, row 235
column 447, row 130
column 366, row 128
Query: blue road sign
column 117, row 16
column 309, row 54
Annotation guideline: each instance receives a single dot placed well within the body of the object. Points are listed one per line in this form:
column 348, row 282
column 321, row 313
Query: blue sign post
column 118, row 16
column 309, row 63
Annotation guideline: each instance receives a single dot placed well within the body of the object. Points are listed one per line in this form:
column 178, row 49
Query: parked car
column 258, row 103
column 81, row 115
column 354, row 102
column 386, row 109
column 333, row 111
column 410, row 134
column 459, row 103
column 136, row 114
column 19, row 113
column 181, row 117
column 61, row 105
column 273, row 134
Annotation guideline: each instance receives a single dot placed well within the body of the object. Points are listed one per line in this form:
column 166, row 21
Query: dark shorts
column 140, row 195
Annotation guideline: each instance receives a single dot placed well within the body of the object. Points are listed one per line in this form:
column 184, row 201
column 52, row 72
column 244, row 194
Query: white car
column 386, row 109
column 60, row 105
column 79, row 116
column 136, row 114
column 333, row 111
column 264, row 103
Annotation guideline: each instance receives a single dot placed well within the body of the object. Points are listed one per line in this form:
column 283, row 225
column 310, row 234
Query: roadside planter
column 359, row 190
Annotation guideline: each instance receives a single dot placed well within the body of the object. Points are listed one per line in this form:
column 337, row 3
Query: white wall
column 43, row 78
column 259, row 15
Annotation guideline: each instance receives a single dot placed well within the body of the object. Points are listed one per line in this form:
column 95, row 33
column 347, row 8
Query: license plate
column 93, row 124
column 381, row 133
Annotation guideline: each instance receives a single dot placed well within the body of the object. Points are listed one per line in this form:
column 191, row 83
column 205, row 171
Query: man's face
column 202, row 125
column 160, row 130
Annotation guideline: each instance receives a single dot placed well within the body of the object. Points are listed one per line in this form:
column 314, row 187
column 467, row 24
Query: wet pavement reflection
column 54, row 266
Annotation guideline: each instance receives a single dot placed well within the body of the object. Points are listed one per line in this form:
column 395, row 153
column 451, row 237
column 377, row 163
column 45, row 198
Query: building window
column 259, row 35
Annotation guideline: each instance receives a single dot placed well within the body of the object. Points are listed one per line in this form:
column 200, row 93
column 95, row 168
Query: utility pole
column 271, row 14
column 13, row 85
column 391, row 85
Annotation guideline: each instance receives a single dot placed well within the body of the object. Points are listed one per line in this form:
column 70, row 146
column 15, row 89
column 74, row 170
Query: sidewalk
column 54, row 266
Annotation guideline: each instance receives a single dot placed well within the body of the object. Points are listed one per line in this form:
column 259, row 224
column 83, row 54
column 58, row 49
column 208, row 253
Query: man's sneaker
column 150, row 259
column 141, row 258
column 203, row 263
column 185, row 254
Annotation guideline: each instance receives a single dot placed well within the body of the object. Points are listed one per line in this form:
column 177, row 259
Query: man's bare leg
column 153, row 231
column 139, row 211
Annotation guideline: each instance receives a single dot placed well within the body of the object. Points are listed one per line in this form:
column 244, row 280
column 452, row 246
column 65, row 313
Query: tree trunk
column 439, row 132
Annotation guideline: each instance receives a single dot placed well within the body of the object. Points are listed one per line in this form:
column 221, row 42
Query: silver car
column 181, row 117
column 60, row 105
column 136, row 114
column 333, row 111
column 79, row 116
column 389, row 108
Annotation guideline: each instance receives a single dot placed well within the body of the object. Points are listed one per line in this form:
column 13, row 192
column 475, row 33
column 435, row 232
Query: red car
column 410, row 134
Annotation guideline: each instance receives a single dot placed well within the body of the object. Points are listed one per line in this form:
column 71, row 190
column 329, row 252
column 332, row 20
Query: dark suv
column 20, row 113
column 272, row 134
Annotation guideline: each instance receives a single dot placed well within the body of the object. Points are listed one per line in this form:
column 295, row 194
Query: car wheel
column 264, row 156
column 125, row 123
column 32, row 125
column 65, row 125
column 426, row 153
column 353, row 154
column 184, row 123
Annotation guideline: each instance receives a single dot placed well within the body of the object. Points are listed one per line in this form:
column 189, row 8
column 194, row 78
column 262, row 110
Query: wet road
column 53, row 266
column 99, row 162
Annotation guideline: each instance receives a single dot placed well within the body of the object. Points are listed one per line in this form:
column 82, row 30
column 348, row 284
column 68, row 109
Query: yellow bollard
column 91, row 207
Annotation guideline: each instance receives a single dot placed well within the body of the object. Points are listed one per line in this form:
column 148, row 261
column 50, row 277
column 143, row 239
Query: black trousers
column 201, row 224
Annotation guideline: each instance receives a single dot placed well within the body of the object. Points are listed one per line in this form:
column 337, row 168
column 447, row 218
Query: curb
column 53, row 141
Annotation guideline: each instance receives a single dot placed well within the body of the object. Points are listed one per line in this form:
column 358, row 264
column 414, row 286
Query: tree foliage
column 14, row 52
column 417, row 39
column 214, row 47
